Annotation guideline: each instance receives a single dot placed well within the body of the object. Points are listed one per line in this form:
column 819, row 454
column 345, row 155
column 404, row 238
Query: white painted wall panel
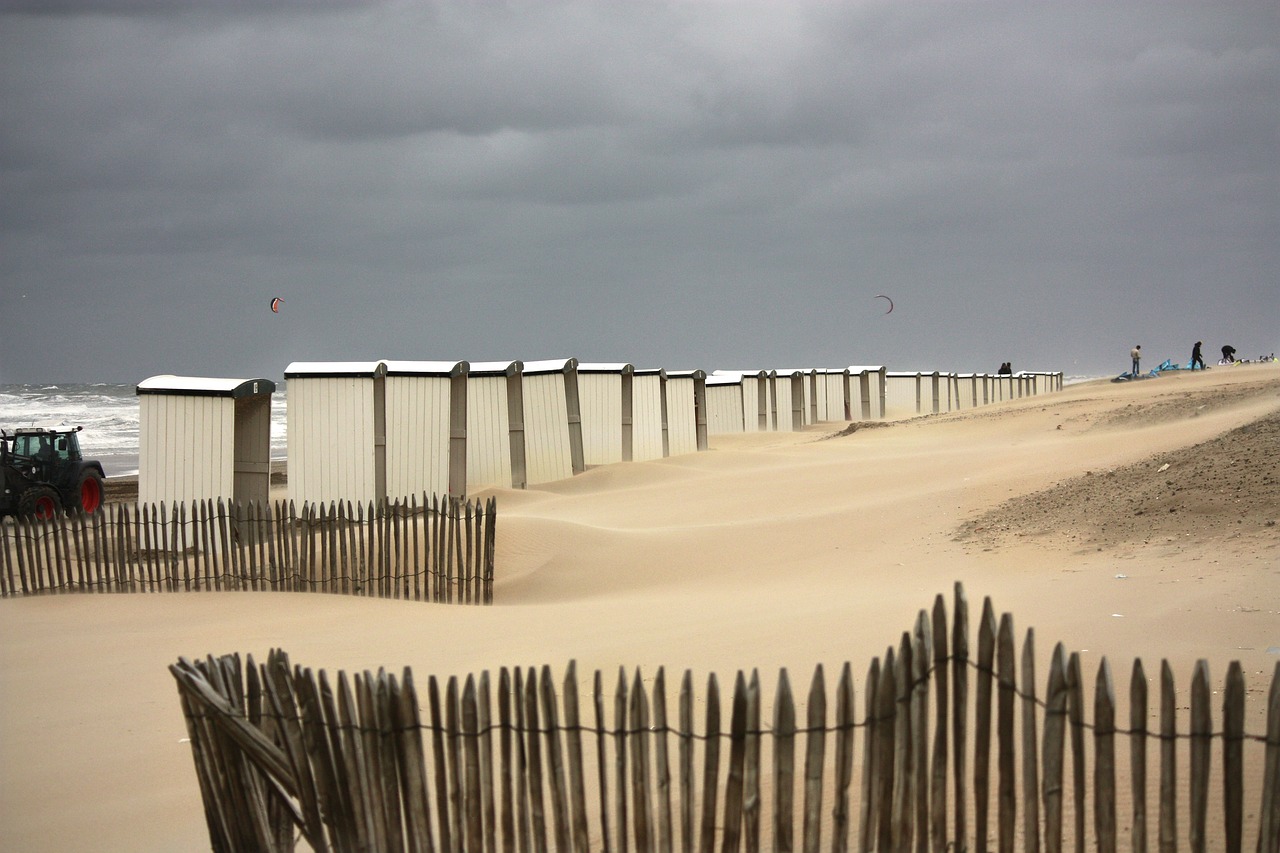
column 901, row 395
column 646, row 434
column 186, row 446
column 331, row 439
column 725, row 408
column 600, row 396
column 488, row 433
column 418, row 409
column 548, row 455
column 682, row 435
column 784, row 421
column 833, row 387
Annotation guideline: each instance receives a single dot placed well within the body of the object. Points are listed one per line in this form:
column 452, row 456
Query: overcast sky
column 673, row 184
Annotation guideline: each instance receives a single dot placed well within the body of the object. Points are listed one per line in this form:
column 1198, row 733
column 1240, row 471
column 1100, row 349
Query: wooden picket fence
column 958, row 752
column 440, row 550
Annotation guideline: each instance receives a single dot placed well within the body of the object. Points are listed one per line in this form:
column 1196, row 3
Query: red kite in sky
column 277, row 302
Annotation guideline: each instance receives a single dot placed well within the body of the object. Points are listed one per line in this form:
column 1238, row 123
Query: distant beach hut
column 725, row 403
column 686, row 394
column 757, row 394
column 871, row 384
column 426, row 416
column 948, row 392
column 804, row 394
column 204, row 438
column 904, row 393
column 789, row 397
column 604, row 393
column 495, row 426
column 1043, row 381
column 552, row 420
column 648, row 414
column 833, row 388
column 968, row 390
column 337, row 429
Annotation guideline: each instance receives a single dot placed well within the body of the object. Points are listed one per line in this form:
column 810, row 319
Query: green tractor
column 43, row 472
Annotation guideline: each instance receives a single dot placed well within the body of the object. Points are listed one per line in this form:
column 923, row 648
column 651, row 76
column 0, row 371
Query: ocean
column 109, row 415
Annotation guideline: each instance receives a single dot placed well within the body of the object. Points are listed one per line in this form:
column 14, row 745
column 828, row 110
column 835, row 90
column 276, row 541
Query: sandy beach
column 1131, row 520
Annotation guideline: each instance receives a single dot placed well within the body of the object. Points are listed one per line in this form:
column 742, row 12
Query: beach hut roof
column 605, row 367
column 651, row 371
column 551, row 365
column 496, row 368
column 686, row 374
column 426, row 368
column 335, row 369
column 754, row 374
column 205, row 386
column 717, row 379
column 863, row 368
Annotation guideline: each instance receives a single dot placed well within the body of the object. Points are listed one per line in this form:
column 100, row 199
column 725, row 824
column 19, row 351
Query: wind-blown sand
column 771, row 550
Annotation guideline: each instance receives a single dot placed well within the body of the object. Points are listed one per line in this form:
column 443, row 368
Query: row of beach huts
column 363, row 431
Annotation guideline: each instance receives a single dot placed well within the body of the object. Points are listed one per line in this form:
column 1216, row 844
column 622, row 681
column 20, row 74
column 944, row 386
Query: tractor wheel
column 88, row 496
column 39, row 502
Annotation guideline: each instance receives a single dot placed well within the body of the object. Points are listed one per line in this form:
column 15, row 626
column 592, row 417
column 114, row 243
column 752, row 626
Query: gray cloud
column 669, row 184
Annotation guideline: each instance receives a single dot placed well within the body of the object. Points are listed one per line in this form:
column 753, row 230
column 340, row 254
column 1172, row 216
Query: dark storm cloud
column 688, row 184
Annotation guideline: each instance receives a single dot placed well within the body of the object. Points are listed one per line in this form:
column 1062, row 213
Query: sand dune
column 770, row 550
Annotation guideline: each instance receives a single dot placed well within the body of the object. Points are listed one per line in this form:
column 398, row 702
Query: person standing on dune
column 1195, row 356
column 1136, row 355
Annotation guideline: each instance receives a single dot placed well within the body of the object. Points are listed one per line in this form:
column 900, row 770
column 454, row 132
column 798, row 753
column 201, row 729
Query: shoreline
column 123, row 488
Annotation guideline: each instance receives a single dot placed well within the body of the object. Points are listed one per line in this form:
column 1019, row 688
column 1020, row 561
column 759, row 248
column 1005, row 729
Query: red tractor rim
column 90, row 495
column 45, row 507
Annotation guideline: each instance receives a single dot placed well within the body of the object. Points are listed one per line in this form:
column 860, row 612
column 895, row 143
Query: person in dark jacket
column 1195, row 357
column 1229, row 354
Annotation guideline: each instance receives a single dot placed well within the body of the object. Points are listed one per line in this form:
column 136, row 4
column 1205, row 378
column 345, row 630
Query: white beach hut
column 833, row 386
column 552, row 420
column 757, row 398
column 788, row 400
column 604, row 394
column 202, row 438
column 904, row 393
column 426, row 417
column 726, row 403
column 871, row 387
column 336, row 417
column 968, row 390
column 686, row 394
column 495, row 425
column 804, row 405
column 649, row 414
